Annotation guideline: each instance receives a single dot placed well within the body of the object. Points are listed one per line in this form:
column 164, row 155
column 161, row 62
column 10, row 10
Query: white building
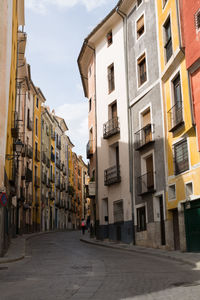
column 114, row 213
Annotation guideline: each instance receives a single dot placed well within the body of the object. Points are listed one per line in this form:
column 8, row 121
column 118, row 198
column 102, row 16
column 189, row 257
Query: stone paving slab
column 185, row 257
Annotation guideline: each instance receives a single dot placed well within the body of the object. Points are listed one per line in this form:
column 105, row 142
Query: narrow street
column 59, row 266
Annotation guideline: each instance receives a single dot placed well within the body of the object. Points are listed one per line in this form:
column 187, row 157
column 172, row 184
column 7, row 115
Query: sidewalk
column 185, row 257
column 17, row 248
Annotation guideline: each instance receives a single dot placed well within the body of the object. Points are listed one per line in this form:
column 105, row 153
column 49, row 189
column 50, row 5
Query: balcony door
column 114, row 116
column 177, row 117
column 149, row 169
column 146, row 121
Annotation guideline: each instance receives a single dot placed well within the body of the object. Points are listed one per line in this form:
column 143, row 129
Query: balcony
column 145, row 183
column 44, row 178
column 52, row 178
column 28, row 175
column 144, row 137
column 175, row 117
column 29, row 151
column 44, row 158
column 58, row 144
column 30, row 199
column 111, row 128
column 52, row 157
column 64, row 170
column 37, row 155
column 58, row 164
column 36, row 201
column 89, row 149
column 112, row 175
column 48, row 183
column 58, row 184
column 30, row 124
column 37, row 182
column 48, row 163
column 14, row 125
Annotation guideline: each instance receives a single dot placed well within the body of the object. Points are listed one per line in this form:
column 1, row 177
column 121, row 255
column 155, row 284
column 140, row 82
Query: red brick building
column 190, row 27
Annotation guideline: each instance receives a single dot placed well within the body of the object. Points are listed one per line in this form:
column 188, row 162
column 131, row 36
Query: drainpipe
column 124, row 17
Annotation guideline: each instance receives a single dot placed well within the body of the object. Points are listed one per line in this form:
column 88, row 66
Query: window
column 37, row 102
column 197, row 20
column 139, row 2
column 140, row 26
column 118, row 211
column 111, row 79
column 168, row 40
column 181, row 157
column 141, row 218
column 188, row 189
column 109, row 38
column 90, row 104
column 36, row 126
column 172, row 192
column 142, row 74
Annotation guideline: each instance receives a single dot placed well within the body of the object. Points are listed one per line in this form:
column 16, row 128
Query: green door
column 192, row 225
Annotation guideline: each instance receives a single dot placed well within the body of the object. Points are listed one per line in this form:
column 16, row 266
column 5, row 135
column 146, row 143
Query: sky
column 56, row 30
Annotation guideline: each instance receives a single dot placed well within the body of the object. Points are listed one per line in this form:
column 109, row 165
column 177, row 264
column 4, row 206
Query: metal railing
column 44, row 157
column 37, row 155
column 111, row 127
column 112, row 175
column 28, row 175
column 175, row 116
column 37, row 181
column 144, row 136
column 145, row 183
column 89, row 149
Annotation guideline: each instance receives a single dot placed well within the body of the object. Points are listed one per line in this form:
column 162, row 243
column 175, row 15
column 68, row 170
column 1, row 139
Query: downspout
column 124, row 17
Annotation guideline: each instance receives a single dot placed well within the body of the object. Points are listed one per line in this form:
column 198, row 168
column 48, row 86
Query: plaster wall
column 105, row 56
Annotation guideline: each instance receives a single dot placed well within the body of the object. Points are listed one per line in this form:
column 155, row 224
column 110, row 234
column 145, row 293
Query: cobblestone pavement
column 59, row 266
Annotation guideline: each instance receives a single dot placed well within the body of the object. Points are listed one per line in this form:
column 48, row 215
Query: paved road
column 59, row 266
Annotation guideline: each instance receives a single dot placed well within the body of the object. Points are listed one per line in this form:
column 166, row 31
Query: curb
column 5, row 260
column 178, row 259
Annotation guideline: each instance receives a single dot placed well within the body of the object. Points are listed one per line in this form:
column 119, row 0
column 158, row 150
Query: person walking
column 83, row 226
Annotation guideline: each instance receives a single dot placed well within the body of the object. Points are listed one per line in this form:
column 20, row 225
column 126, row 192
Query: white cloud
column 41, row 6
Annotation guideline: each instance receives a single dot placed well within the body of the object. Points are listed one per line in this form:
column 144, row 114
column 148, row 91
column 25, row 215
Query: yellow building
column 11, row 164
column 182, row 156
column 39, row 99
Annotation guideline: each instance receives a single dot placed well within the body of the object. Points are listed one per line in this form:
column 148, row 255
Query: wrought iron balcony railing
column 112, row 175
column 14, row 125
column 37, row 155
column 29, row 151
column 89, row 149
column 145, row 183
column 37, row 182
column 175, row 117
column 44, row 158
column 48, row 163
column 144, row 136
column 28, row 175
column 111, row 127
